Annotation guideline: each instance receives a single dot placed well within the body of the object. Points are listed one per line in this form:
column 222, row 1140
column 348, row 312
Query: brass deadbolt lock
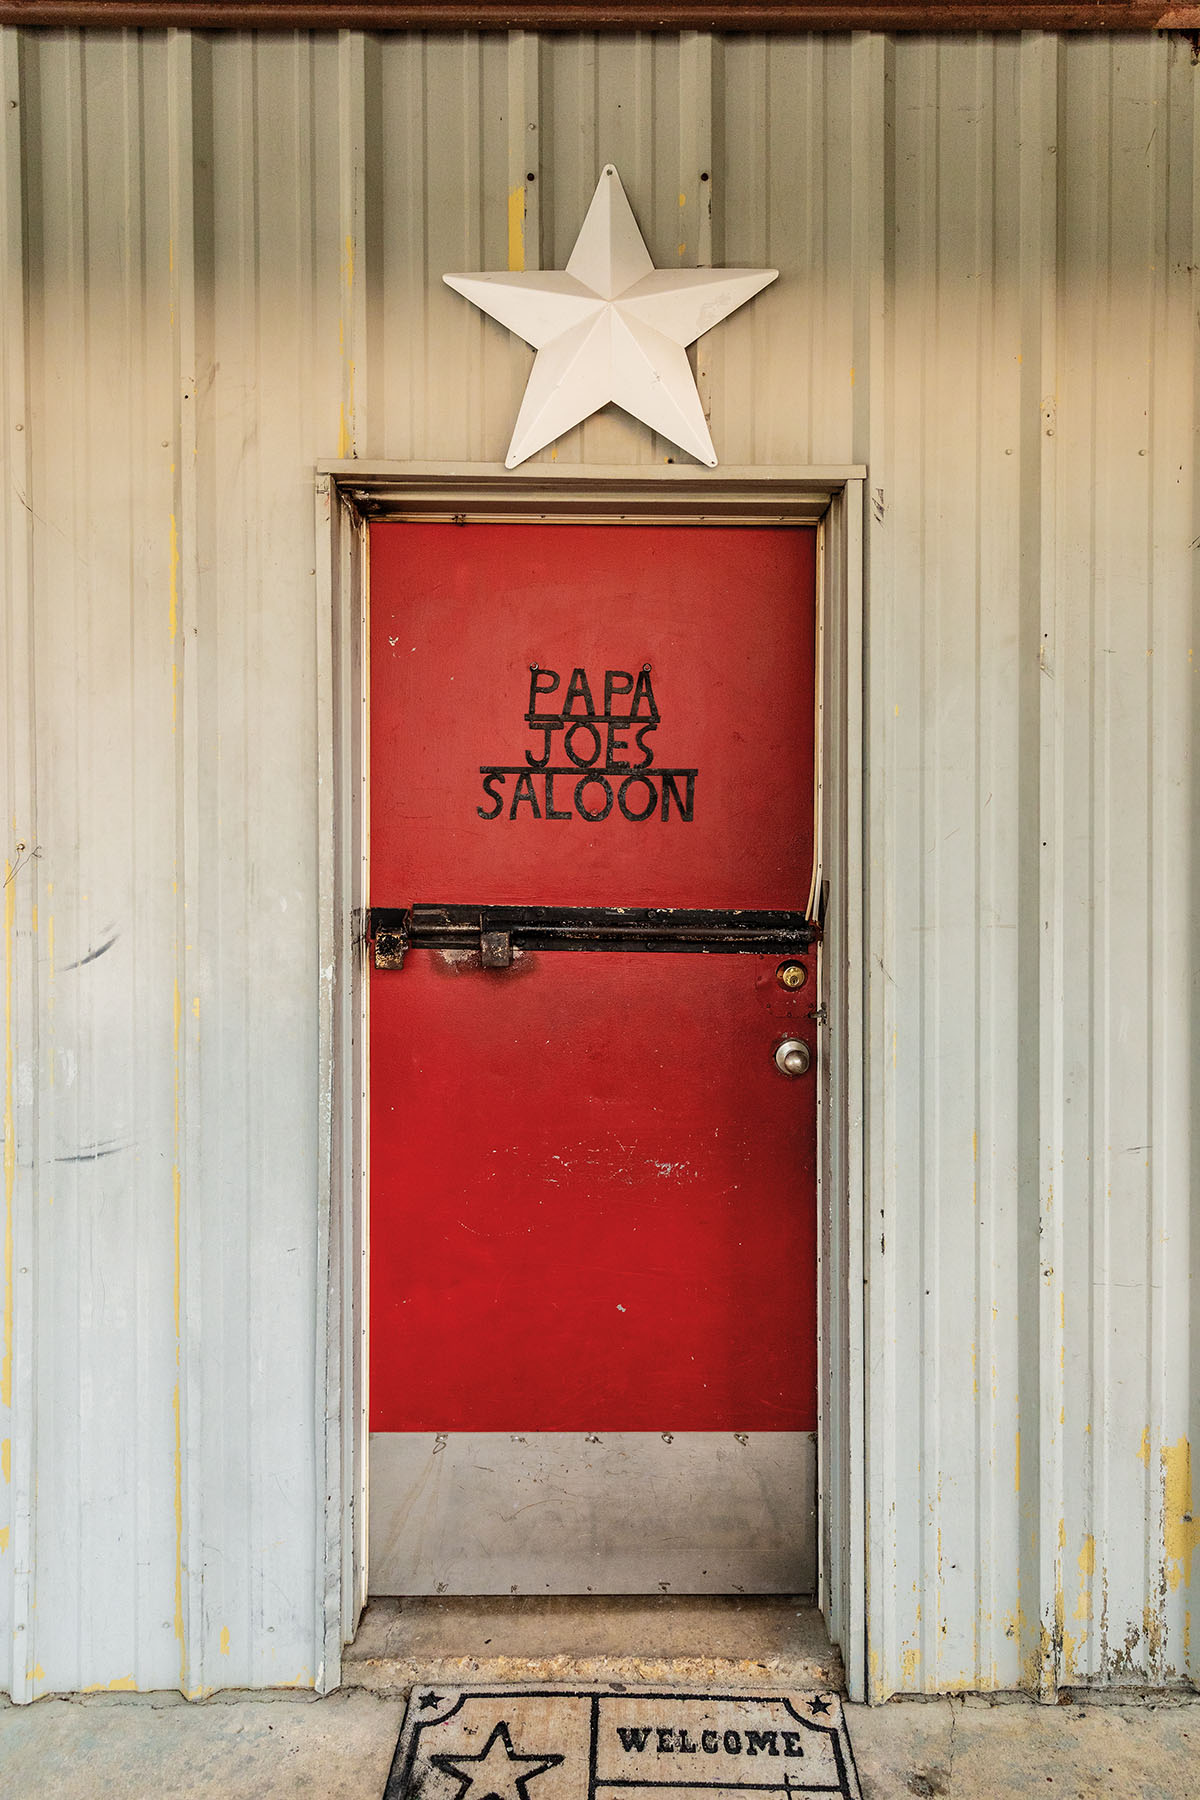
column 791, row 975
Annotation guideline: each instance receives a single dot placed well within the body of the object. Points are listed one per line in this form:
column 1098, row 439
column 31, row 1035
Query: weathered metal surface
column 676, row 929
column 620, row 1512
column 610, row 15
column 221, row 264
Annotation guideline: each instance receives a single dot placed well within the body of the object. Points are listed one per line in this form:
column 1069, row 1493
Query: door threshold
column 695, row 1640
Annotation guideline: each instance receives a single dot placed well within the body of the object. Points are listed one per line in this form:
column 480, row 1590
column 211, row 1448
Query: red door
column 592, row 1185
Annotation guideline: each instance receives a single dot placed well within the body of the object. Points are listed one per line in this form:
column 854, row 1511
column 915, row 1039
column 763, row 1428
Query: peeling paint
column 223, row 1643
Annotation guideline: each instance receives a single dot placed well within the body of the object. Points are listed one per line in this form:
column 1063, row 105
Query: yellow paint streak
column 682, row 248
column 124, row 1684
column 50, row 946
column 348, row 265
column 1070, row 1648
column 910, row 1662
column 224, row 1640
column 1144, row 1451
column 39, row 1674
column 1180, row 1531
column 174, row 579
column 1087, row 1568
column 3, row 1538
column 516, row 227
column 683, row 199
column 1017, row 1462
column 195, row 1006
column 10, row 1139
column 6, row 1458
column 343, row 432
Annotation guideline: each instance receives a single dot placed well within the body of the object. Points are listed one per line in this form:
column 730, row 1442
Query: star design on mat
column 611, row 326
column 820, row 1704
column 428, row 1700
column 496, row 1772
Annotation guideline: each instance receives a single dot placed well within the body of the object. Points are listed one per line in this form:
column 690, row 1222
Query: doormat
column 517, row 1743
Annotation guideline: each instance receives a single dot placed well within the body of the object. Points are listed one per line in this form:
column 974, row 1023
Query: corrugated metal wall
column 220, row 262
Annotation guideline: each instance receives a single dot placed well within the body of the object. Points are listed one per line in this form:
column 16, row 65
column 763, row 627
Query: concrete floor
column 119, row 1747
column 268, row 1747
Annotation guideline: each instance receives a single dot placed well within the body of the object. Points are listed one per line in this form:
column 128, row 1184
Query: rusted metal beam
column 614, row 15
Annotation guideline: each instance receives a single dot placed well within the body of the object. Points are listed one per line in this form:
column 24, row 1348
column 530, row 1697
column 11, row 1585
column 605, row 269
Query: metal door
column 593, row 1285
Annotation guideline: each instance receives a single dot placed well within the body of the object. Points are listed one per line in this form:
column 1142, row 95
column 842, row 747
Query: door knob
column 793, row 1057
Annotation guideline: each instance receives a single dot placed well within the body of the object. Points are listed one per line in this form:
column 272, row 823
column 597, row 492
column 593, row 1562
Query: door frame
column 352, row 495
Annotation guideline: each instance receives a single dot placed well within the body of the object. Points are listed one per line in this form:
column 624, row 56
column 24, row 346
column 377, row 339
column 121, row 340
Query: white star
column 611, row 327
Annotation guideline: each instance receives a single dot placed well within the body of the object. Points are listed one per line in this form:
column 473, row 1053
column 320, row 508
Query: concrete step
column 687, row 1639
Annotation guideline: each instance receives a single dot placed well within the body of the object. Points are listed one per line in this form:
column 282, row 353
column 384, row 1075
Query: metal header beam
column 616, row 15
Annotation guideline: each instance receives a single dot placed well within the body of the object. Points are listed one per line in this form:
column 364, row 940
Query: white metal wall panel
column 221, row 262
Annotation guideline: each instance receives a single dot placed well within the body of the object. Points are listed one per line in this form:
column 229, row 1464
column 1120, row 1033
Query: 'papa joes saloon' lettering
column 674, row 1740
column 589, row 762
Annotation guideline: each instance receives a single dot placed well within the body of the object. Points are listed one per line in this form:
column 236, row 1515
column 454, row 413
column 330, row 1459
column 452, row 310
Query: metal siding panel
column 1121, row 1599
column 987, row 255
column 22, row 1041
column 270, row 376
column 104, row 1537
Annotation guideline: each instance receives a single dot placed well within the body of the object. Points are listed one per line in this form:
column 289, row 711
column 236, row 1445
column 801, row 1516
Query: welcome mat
column 515, row 1743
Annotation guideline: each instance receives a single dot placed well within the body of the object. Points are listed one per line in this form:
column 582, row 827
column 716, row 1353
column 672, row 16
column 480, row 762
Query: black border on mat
column 400, row 1772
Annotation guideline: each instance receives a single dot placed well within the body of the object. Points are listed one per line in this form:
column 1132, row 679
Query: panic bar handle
column 494, row 932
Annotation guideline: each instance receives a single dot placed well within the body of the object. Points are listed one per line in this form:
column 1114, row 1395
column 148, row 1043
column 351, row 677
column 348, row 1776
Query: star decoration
column 428, row 1700
column 611, row 327
column 496, row 1772
column 820, row 1704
